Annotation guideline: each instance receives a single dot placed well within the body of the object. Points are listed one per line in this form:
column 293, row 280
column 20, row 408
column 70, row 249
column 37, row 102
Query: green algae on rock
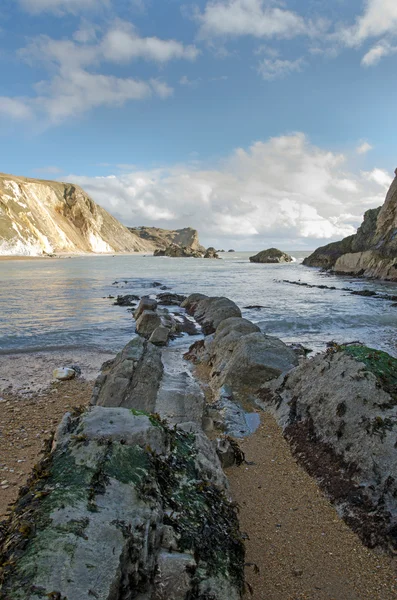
column 106, row 504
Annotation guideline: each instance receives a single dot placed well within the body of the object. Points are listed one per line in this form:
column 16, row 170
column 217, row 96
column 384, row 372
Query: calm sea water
column 62, row 304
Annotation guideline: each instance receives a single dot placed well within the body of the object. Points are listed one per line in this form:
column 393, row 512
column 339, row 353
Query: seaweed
column 381, row 364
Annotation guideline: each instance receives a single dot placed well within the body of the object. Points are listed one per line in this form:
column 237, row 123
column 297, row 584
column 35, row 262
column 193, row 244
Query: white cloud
column 379, row 176
column 15, row 108
column 61, row 6
column 123, row 44
column 377, row 52
column 73, row 89
column 282, row 189
column 378, row 18
column 275, row 68
column 363, row 148
column 259, row 18
column 78, row 91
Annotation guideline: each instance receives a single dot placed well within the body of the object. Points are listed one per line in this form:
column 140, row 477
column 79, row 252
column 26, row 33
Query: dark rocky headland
column 372, row 251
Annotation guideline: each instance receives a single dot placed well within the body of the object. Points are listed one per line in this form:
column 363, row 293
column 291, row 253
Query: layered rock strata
column 372, row 251
column 42, row 217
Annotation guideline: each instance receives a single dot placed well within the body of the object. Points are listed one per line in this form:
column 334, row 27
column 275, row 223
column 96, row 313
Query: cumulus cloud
column 363, row 148
column 378, row 18
column 59, row 7
column 123, row 44
column 258, row 18
column 379, row 176
column 281, row 190
column 73, row 88
column 377, row 52
column 276, row 68
column 15, row 108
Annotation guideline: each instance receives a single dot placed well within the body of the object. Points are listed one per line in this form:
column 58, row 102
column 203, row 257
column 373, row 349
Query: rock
column 169, row 299
column 211, row 253
column 64, row 373
column 127, row 300
column 160, row 239
column 176, row 251
column 147, row 323
column 116, row 486
column 231, row 251
column 339, row 411
column 210, row 311
column 252, row 359
column 146, row 303
column 225, row 453
column 272, row 255
column 160, row 336
column 46, row 217
column 132, row 379
column 372, row 251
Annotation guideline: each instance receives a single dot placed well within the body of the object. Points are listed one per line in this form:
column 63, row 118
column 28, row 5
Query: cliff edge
column 42, row 217
column 372, row 251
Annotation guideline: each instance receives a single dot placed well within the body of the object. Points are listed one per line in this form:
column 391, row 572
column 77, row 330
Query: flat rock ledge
column 122, row 508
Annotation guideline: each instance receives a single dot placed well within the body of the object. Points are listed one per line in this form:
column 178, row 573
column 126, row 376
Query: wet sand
column 297, row 546
column 303, row 550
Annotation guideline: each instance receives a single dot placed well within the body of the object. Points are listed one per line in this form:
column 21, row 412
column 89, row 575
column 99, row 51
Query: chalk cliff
column 372, row 251
column 38, row 217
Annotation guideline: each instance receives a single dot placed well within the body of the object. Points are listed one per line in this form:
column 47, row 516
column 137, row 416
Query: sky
column 257, row 122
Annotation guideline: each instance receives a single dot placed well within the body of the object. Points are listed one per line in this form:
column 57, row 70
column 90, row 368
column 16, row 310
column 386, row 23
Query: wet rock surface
column 338, row 410
column 210, row 311
column 372, row 251
column 121, row 509
column 271, row 256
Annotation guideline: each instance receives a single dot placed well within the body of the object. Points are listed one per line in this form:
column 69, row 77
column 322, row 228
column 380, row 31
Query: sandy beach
column 297, row 546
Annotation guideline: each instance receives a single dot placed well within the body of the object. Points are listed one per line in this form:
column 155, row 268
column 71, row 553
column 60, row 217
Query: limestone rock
column 176, row 251
column 147, row 323
column 211, row 253
column 170, row 299
column 115, row 488
column 43, row 217
column 162, row 238
column 160, row 336
column 64, row 373
column 210, row 311
column 132, row 379
column 372, row 251
column 146, row 303
column 272, row 255
column 346, row 400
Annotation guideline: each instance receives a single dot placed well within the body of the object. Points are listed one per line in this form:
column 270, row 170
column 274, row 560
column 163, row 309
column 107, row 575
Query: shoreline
column 19, row 257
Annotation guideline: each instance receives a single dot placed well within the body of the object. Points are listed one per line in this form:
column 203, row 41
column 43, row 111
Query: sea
column 66, row 303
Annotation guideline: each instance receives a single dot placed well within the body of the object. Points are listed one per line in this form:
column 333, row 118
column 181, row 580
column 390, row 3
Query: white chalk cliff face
column 38, row 217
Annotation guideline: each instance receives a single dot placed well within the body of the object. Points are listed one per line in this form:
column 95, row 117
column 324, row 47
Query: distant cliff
column 372, row 251
column 38, row 217
column 160, row 239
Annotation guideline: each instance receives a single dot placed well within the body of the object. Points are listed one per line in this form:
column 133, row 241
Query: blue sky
column 255, row 121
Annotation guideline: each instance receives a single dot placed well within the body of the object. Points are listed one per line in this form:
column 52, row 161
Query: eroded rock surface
column 122, row 508
column 372, row 251
column 339, row 411
column 210, row 311
column 132, row 379
column 271, row 255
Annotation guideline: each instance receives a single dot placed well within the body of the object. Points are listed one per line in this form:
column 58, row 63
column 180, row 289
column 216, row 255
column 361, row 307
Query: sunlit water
column 62, row 304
